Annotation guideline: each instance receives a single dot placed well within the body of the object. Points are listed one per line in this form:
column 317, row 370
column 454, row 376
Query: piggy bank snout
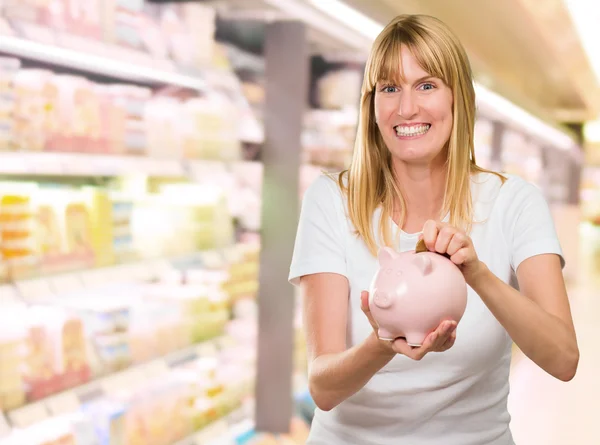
column 382, row 299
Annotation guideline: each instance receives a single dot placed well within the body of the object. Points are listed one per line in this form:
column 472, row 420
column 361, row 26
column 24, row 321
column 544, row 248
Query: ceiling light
column 586, row 17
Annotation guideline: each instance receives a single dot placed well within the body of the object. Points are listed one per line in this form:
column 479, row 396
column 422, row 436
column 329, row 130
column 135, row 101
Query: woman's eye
column 389, row 89
column 427, row 86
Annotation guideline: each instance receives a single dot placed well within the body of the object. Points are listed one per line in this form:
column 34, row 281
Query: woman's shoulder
column 490, row 185
column 326, row 186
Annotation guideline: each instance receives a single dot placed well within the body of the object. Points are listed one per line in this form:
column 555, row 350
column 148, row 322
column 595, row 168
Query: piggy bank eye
column 388, row 271
column 398, row 273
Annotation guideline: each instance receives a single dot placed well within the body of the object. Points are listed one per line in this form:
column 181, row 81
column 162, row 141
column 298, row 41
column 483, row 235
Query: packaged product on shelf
column 64, row 229
column 113, row 120
column 85, row 17
column 108, row 419
column 210, row 130
column 176, row 34
column 69, row 347
column 17, row 226
column 8, row 69
column 128, row 22
column 133, row 99
column 106, row 322
column 12, row 353
column 184, row 218
column 163, row 127
column 200, row 22
column 47, row 13
column 122, row 217
column 201, row 312
column 35, row 108
column 40, row 371
column 101, row 215
column 78, row 115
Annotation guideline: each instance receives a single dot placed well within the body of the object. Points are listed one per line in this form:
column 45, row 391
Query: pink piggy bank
column 412, row 293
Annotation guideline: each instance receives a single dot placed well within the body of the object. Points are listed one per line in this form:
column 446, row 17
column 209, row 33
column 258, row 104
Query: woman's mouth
column 411, row 131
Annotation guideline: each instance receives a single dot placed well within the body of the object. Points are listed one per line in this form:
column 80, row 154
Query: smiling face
column 414, row 113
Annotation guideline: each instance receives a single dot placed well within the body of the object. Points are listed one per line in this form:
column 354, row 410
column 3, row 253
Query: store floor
column 546, row 411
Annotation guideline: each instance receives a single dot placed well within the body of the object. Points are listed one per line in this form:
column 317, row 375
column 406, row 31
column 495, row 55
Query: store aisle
column 549, row 412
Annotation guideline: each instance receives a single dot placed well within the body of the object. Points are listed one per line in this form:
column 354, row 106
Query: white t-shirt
column 458, row 397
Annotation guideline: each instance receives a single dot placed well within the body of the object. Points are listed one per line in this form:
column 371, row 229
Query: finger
column 430, row 233
column 449, row 342
column 444, row 237
column 458, row 241
column 446, row 329
column 461, row 256
column 427, row 346
column 364, row 301
column 401, row 347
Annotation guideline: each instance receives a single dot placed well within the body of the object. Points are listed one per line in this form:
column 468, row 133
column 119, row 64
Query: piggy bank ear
column 423, row 263
column 385, row 256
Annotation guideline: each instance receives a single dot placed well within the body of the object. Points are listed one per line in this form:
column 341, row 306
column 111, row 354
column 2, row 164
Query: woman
column 414, row 175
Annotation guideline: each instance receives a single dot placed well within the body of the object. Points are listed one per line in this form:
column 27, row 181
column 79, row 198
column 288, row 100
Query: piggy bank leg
column 415, row 340
column 384, row 334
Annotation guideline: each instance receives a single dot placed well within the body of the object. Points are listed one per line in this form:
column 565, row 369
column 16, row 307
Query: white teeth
column 413, row 130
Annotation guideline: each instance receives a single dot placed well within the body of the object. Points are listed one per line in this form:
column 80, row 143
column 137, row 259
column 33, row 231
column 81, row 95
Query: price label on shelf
column 64, row 284
column 133, row 377
column 8, row 294
column 92, row 278
column 211, row 433
column 155, row 369
column 213, row 259
column 113, row 384
column 4, row 426
column 179, row 358
column 34, row 290
column 161, row 267
column 63, row 404
column 136, row 272
column 90, row 392
column 28, row 415
column 207, row 349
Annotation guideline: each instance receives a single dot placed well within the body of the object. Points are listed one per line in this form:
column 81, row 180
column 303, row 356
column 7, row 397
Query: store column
column 287, row 66
column 497, row 135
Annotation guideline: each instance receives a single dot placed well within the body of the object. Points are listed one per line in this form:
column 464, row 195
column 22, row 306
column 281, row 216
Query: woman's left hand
column 446, row 239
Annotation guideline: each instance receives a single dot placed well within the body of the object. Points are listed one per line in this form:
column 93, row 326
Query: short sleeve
column 320, row 241
column 528, row 224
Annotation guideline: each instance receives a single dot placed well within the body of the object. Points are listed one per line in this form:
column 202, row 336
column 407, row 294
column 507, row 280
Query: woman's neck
column 423, row 189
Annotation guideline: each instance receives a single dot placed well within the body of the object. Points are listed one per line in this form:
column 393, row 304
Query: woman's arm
column 538, row 318
column 335, row 372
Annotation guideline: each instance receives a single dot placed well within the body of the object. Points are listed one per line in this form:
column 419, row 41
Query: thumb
column 364, row 302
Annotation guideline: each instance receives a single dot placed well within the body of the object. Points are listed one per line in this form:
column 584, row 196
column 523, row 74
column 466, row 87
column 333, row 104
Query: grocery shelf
column 69, row 400
column 84, row 164
column 99, row 58
column 222, row 431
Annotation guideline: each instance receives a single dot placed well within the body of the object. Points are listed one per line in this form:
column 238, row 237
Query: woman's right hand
column 439, row 340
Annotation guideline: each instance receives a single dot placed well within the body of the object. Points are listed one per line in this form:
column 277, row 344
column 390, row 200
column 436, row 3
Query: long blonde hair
column 370, row 177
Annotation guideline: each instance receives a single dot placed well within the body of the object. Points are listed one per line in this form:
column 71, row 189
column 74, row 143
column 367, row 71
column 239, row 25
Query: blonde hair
column 370, row 176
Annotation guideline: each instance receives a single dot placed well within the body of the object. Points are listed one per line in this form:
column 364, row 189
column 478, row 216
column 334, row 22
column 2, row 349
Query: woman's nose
column 408, row 106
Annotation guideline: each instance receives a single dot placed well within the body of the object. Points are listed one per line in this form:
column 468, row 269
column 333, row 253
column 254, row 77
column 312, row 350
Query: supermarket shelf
column 223, row 431
column 69, row 400
column 41, row 288
column 88, row 56
column 84, row 164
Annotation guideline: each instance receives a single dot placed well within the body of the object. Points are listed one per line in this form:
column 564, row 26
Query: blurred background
column 153, row 157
